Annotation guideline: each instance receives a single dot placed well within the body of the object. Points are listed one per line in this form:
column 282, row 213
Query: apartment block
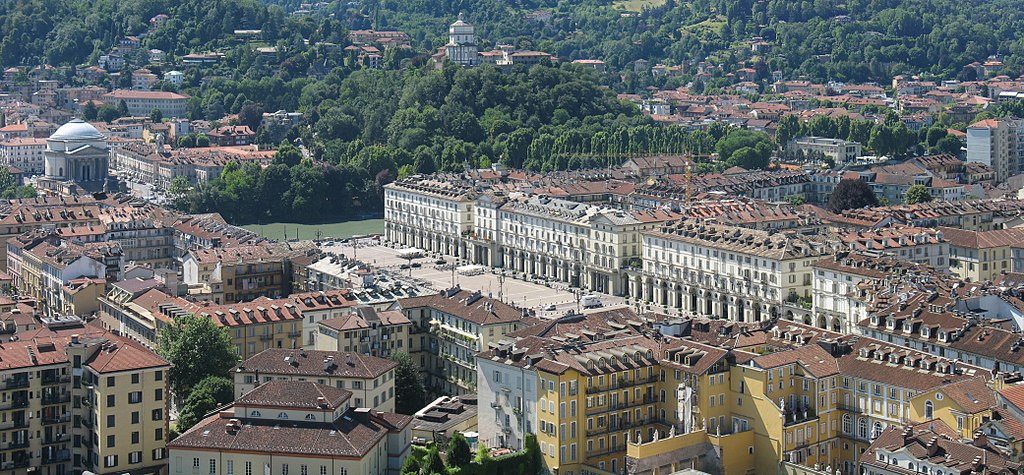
column 79, row 398
column 366, row 331
column 997, row 143
column 449, row 328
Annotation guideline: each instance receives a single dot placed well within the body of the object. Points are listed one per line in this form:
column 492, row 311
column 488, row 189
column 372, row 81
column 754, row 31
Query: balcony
column 54, row 379
column 607, row 451
column 621, row 405
column 15, row 424
column 87, row 423
column 624, row 426
column 799, row 416
column 15, row 464
column 54, row 419
column 57, row 456
column 58, row 398
column 56, row 439
column 266, row 337
column 14, row 383
column 852, row 407
column 294, row 334
column 17, row 444
column 14, row 404
column 622, row 384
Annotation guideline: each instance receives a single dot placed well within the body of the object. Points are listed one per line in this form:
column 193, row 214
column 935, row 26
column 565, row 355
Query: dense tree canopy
column 850, row 194
column 197, row 348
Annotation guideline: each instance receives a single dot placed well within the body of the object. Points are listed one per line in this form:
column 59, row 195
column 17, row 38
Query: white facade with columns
column 428, row 214
column 723, row 271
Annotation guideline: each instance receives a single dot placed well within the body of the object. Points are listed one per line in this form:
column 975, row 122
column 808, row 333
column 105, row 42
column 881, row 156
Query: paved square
column 532, row 295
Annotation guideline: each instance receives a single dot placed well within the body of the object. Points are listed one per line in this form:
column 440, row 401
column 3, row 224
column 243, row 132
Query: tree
column 483, row 454
column 196, row 348
column 432, row 463
column 851, row 193
column 458, row 451
column 411, row 465
column 107, row 113
column 89, row 111
column 122, row 108
column 156, row 116
column 795, row 200
column 251, row 115
column 288, row 155
column 7, row 181
column 917, row 194
column 413, row 395
column 179, row 187
column 212, row 392
column 202, row 140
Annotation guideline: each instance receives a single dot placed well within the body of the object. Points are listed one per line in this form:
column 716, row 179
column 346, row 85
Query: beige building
column 291, row 427
column 978, row 256
column 257, row 325
column 365, row 331
column 735, row 273
column 79, row 398
column 371, row 380
column 449, row 328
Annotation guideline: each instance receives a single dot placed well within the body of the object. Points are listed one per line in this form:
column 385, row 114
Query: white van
column 591, row 301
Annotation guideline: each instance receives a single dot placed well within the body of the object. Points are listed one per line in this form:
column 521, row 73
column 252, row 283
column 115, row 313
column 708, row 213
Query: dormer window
column 925, row 332
column 282, row 415
column 310, row 417
column 906, row 326
column 254, row 414
column 890, row 324
column 874, row 319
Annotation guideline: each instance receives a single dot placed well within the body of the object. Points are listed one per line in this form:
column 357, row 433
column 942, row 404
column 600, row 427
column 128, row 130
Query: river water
column 340, row 230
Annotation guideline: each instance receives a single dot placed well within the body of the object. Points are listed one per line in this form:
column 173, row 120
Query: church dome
column 77, row 129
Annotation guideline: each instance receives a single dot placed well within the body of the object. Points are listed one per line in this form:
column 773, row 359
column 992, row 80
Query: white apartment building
column 429, row 214
column 840, row 151
column 735, row 273
column 507, row 395
column 23, row 153
column 582, row 244
column 997, row 143
column 142, row 103
column 835, row 288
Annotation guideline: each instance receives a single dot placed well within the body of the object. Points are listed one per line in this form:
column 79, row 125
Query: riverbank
column 340, row 230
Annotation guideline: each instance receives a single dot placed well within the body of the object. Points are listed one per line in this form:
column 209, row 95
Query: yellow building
column 258, row 325
column 614, row 393
column 964, row 405
column 79, row 398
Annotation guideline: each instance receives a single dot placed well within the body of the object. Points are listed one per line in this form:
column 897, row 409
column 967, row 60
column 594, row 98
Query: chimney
column 74, row 339
column 321, row 401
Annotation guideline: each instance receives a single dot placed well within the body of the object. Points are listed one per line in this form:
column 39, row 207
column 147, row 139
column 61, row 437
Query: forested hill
column 867, row 39
column 855, row 40
column 77, row 31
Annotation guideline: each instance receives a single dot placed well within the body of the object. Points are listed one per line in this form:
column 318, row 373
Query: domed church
column 75, row 160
